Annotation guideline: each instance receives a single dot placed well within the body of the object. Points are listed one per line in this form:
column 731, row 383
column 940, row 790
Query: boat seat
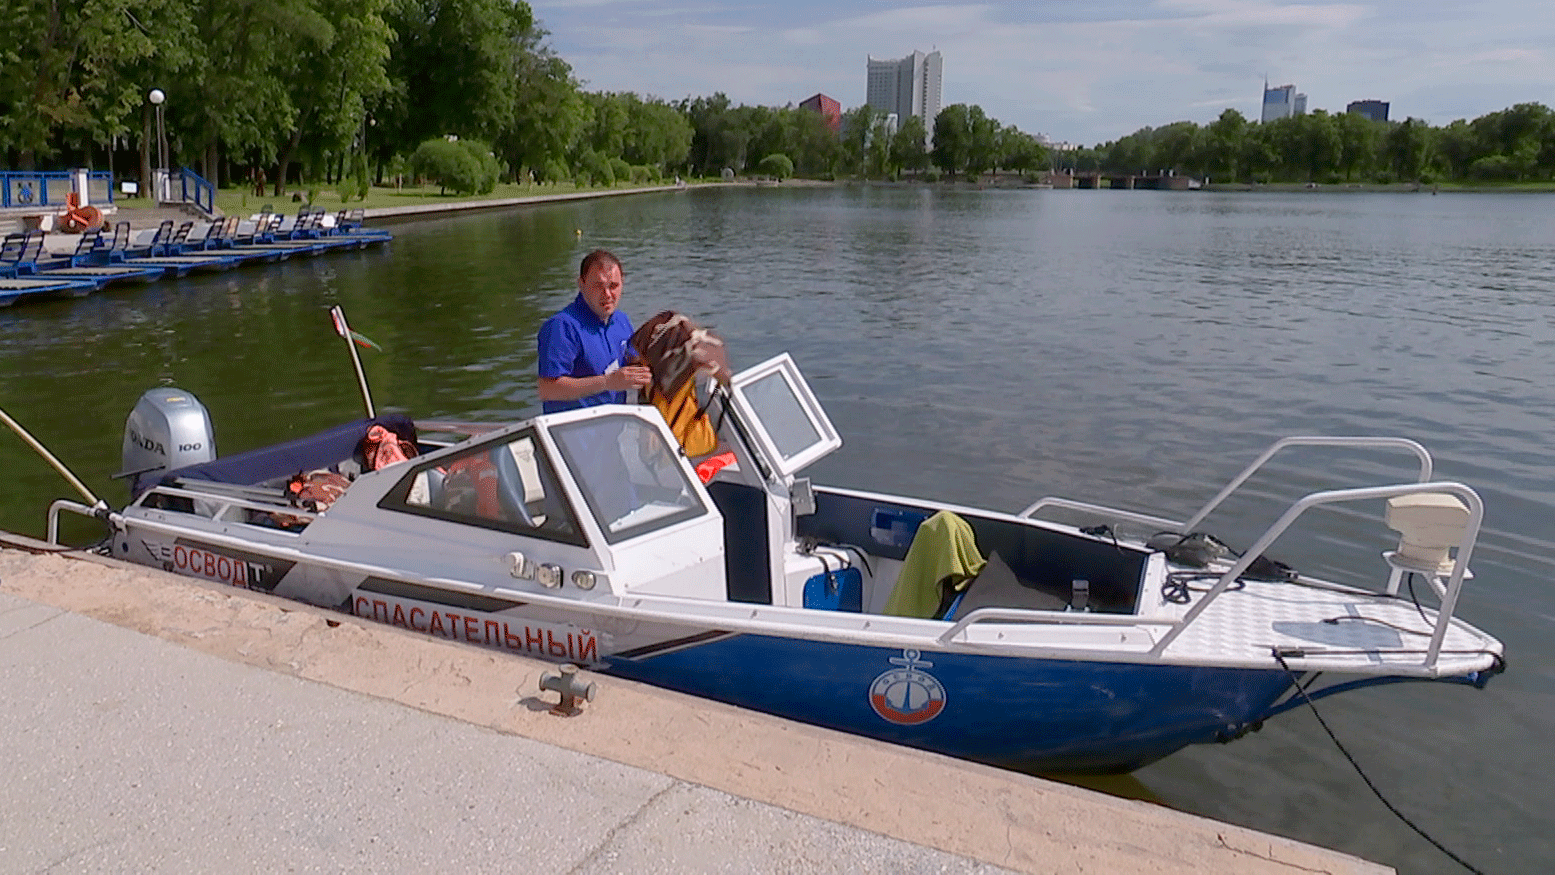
column 996, row 586
column 435, row 478
column 943, row 554
column 510, row 485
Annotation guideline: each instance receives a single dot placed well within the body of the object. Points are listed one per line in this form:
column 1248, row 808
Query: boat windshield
column 633, row 480
column 782, row 414
column 508, row 485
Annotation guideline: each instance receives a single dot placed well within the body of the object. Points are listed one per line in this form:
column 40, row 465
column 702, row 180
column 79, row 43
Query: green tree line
column 341, row 90
column 347, row 90
column 313, row 89
column 1510, row 145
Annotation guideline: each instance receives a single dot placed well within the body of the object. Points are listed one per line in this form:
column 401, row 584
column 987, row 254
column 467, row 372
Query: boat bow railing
column 1449, row 592
column 1415, row 447
column 1350, row 442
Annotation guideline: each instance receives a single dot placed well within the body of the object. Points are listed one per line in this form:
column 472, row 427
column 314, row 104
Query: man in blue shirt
column 584, row 348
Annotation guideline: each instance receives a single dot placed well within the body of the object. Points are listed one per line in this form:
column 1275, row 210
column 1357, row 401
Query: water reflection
column 1135, row 348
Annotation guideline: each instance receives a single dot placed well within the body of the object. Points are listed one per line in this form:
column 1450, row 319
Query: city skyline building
column 1282, row 102
column 827, row 108
column 1376, row 110
column 907, row 86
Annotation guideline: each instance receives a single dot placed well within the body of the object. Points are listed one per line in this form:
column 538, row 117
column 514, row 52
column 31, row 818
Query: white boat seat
column 510, row 485
column 435, row 477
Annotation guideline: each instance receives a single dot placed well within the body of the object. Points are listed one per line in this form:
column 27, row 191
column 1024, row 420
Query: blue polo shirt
column 574, row 343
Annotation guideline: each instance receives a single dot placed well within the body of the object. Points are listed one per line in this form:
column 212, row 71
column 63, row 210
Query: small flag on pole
column 344, row 330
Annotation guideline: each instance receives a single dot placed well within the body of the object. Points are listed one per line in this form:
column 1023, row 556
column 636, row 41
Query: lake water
column 986, row 347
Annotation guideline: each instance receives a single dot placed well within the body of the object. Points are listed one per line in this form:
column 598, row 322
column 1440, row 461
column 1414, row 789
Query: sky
column 1080, row 71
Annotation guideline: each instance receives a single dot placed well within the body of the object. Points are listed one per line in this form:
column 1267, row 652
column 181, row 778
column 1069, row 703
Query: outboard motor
column 169, row 428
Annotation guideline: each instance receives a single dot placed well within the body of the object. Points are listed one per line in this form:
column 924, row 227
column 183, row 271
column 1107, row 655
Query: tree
column 1322, row 147
column 814, row 146
column 242, row 93
column 453, row 67
column 859, row 127
column 984, row 146
column 1224, row 146
column 1408, row 149
column 1359, row 138
column 953, row 138
column 719, row 136
column 1521, row 136
column 1129, row 154
column 1179, row 146
column 465, row 166
column 604, row 126
column 594, row 169
column 777, row 165
column 656, row 134
column 547, row 113
column 332, row 87
column 65, row 66
column 909, row 147
column 1022, row 152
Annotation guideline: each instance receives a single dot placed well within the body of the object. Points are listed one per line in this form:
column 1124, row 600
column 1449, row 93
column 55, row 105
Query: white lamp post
column 159, row 186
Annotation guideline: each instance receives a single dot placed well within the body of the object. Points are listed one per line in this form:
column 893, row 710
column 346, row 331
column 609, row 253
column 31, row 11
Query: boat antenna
column 352, row 339
column 51, row 459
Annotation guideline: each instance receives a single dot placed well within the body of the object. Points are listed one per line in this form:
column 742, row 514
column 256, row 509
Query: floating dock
column 37, row 264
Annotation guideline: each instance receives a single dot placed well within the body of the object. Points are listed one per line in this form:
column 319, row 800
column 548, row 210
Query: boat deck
column 1320, row 628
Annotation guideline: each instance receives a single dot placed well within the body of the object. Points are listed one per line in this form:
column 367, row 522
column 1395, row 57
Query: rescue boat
column 1066, row 637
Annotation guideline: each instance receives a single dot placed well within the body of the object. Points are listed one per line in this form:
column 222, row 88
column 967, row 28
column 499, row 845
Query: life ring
column 77, row 219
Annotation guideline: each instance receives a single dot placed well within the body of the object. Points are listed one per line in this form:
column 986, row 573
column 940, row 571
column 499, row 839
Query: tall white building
column 1282, row 102
column 906, row 87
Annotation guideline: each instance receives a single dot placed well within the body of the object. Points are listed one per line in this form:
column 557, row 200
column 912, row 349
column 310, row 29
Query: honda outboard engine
column 169, row 428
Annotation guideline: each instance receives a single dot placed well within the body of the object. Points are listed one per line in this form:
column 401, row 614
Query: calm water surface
column 986, row 347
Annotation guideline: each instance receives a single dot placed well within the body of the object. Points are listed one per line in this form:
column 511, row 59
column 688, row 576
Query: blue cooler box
column 844, row 591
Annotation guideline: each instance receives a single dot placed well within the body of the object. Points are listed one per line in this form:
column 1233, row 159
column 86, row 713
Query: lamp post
column 159, row 177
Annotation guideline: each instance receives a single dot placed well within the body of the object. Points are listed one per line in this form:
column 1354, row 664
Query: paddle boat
column 1017, row 639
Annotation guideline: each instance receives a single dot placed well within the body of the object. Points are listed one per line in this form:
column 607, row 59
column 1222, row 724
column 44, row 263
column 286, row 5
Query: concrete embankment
column 145, row 218
column 156, row 723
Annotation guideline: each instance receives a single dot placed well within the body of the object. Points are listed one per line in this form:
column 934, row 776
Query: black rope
column 1178, row 588
column 1103, row 531
column 1412, row 597
column 1280, row 658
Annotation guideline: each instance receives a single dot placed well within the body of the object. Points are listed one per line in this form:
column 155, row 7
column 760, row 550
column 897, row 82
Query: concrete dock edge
column 979, row 814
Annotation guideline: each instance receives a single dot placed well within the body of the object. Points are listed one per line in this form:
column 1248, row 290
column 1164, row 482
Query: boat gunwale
column 804, row 623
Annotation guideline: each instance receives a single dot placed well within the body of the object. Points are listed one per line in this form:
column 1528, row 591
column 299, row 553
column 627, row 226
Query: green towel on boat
column 944, row 547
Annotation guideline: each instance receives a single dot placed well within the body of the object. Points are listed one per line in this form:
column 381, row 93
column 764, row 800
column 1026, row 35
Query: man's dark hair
column 597, row 258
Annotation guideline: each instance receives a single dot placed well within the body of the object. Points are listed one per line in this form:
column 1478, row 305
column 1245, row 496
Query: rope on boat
column 1279, row 656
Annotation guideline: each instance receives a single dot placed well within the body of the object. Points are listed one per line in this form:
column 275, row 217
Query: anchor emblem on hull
column 907, row 695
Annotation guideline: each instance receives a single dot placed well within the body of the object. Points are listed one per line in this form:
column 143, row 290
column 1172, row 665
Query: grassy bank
column 242, row 201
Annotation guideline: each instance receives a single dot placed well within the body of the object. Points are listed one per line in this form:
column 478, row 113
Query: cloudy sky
column 1085, row 71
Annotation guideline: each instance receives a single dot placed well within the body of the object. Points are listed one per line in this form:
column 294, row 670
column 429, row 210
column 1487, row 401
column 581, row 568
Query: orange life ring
column 77, row 219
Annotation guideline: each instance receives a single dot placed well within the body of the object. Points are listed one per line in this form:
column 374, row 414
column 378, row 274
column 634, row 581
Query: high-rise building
column 828, row 109
column 908, row 86
column 1376, row 110
column 1282, row 102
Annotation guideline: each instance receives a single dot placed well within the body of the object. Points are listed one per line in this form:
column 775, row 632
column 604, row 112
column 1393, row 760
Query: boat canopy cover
column 310, row 453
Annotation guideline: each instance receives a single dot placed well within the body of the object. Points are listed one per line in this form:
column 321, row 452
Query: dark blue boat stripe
column 468, row 601
column 667, row 647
